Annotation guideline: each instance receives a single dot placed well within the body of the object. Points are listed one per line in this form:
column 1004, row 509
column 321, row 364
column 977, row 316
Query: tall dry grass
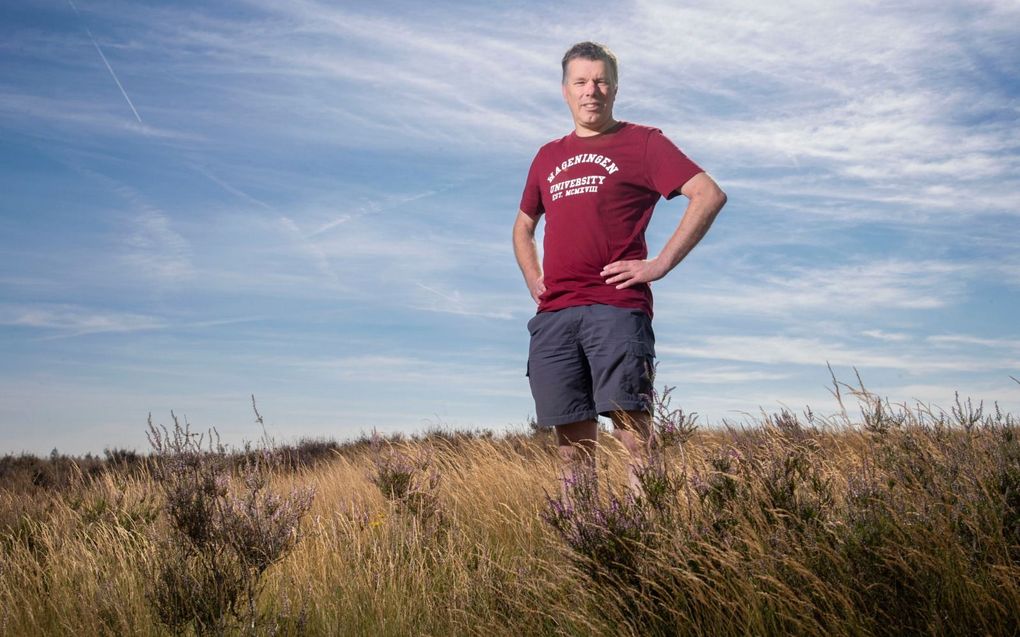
column 889, row 521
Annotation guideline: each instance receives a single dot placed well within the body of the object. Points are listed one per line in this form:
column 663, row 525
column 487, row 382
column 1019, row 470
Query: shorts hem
column 578, row 416
column 625, row 405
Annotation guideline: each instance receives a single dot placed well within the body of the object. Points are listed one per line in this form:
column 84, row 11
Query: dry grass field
column 888, row 520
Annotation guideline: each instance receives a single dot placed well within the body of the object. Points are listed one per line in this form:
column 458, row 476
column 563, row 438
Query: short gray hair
column 592, row 51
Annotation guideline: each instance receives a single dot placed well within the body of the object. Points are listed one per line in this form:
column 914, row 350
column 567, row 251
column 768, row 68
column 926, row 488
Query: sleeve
column 531, row 200
column 666, row 166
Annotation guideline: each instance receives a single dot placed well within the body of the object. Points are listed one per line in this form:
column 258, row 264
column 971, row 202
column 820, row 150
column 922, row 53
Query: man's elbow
column 719, row 199
column 713, row 196
column 703, row 191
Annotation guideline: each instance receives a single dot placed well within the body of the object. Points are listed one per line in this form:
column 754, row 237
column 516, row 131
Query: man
column 592, row 345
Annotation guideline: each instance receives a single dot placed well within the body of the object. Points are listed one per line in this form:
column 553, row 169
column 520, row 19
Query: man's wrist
column 660, row 267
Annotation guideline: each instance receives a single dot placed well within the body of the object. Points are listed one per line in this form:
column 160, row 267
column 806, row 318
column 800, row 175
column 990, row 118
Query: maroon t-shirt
column 597, row 194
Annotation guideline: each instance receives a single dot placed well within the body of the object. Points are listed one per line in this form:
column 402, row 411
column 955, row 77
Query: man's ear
column 563, row 89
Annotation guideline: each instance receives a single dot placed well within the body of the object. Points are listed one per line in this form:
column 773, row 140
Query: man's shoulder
column 553, row 144
column 640, row 131
column 642, row 128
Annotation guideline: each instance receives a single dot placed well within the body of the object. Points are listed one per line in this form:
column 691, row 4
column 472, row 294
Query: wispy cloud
column 941, row 396
column 153, row 247
column 480, row 305
column 368, row 256
column 792, row 350
column 968, row 340
column 70, row 320
column 899, row 123
column 382, row 203
column 77, row 114
column 56, row 320
column 703, row 374
column 889, row 337
column 469, row 375
column 361, row 79
column 211, row 176
column 312, row 249
column 852, row 288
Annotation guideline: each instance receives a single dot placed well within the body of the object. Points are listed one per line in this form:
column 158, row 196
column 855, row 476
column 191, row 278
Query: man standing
column 592, row 345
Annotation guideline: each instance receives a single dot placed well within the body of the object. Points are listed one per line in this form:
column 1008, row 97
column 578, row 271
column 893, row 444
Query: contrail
column 231, row 189
column 452, row 299
column 107, row 63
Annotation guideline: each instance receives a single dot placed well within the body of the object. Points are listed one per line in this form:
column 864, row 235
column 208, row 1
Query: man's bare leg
column 634, row 431
column 576, row 442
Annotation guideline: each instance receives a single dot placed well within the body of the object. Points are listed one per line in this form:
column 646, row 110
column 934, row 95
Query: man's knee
column 633, row 429
column 576, row 440
column 583, row 432
column 639, row 422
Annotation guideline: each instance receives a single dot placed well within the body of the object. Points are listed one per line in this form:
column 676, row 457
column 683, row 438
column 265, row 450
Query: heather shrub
column 606, row 533
column 226, row 528
column 903, row 525
column 931, row 484
column 882, row 519
column 616, row 537
column 671, row 427
column 408, row 480
column 306, row 453
column 31, row 474
column 1004, row 482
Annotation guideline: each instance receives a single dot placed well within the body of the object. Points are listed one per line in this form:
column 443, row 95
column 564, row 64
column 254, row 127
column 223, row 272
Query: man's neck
column 582, row 131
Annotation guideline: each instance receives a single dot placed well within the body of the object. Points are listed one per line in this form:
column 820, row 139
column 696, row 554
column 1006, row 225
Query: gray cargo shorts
column 590, row 360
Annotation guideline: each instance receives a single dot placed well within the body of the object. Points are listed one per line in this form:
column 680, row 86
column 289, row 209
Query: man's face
column 589, row 92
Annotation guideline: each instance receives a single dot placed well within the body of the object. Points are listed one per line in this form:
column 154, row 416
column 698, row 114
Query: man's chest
column 586, row 183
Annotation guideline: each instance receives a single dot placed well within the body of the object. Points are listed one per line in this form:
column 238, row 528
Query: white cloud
column 848, row 289
column 467, row 375
column 890, row 337
column 792, row 350
column 155, row 249
column 859, row 93
column 491, row 306
column 704, row 374
column 942, row 396
column 78, row 113
column 968, row 341
column 71, row 320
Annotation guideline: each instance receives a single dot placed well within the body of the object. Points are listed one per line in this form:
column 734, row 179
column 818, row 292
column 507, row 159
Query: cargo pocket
column 643, row 355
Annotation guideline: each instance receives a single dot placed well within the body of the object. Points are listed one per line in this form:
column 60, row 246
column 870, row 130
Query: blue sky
column 312, row 203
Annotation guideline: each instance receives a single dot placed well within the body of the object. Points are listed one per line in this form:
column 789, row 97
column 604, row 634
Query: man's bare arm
column 706, row 200
column 527, row 254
